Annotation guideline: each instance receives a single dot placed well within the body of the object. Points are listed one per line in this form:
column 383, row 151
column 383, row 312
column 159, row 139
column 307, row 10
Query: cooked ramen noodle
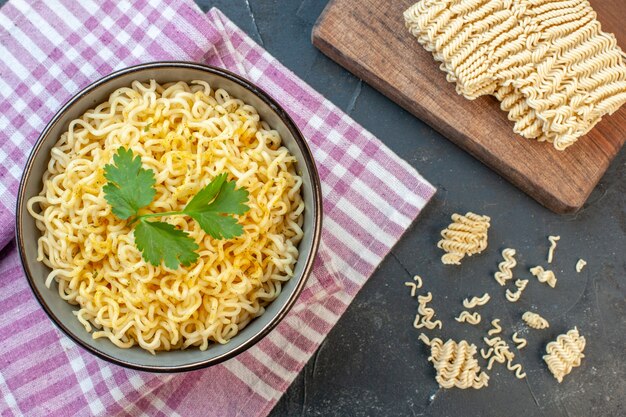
column 188, row 134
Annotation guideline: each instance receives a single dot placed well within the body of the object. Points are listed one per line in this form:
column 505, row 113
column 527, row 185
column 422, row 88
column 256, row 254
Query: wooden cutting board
column 368, row 37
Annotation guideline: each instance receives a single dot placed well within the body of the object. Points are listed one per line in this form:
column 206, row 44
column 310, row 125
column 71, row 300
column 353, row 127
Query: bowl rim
column 317, row 213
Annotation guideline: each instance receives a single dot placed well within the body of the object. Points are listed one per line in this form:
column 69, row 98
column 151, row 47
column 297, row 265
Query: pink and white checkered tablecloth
column 48, row 51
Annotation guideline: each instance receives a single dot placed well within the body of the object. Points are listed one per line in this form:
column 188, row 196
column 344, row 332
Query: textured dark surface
column 372, row 363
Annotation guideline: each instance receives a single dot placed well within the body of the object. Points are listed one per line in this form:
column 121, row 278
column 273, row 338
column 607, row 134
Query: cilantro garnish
column 131, row 187
column 161, row 241
column 211, row 206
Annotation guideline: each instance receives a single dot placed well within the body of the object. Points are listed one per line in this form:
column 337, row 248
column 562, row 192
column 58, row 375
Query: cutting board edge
column 549, row 200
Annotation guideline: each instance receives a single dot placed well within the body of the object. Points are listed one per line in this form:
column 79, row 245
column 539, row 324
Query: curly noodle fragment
column 466, row 235
column 455, row 363
column 565, row 353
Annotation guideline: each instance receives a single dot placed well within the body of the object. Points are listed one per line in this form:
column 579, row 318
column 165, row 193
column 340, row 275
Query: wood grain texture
column 368, row 37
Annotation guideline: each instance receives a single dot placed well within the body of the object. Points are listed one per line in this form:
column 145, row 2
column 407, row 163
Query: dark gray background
column 372, row 363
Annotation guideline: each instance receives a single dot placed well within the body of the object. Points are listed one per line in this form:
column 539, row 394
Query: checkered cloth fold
column 51, row 49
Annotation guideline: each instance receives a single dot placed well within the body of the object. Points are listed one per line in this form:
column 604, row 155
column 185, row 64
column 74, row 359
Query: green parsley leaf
column 206, row 195
column 214, row 204
column 230, row 200
column 160, row 241
column 130, row 187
